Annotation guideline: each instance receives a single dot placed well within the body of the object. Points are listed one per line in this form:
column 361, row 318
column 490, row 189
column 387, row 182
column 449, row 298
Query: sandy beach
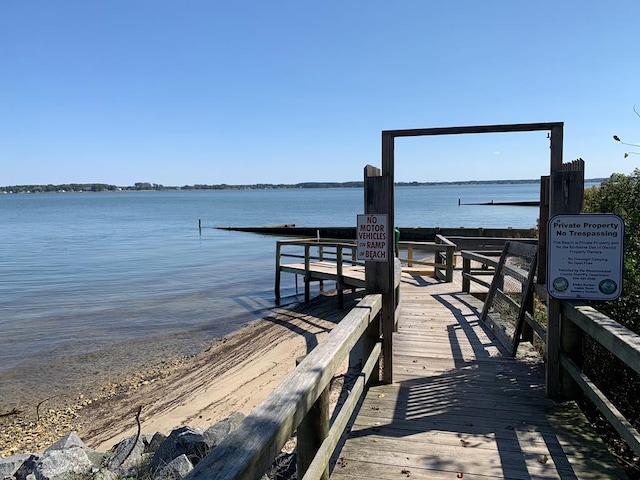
column 235, row 374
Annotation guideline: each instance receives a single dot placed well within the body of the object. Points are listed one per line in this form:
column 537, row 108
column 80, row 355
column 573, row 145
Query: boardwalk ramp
column 462, row 407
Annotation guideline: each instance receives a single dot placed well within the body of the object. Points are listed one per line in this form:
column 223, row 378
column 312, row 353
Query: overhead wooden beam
column 515, row 127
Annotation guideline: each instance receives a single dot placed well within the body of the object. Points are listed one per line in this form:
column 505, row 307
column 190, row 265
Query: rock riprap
column 151, row 456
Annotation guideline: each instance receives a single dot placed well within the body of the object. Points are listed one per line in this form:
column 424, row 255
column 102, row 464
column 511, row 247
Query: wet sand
column 234, row 374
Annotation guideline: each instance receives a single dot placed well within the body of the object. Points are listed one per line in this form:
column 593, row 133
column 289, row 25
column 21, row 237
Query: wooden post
column 450, row 260
column 552, row 373
column 566, row 192
column 312, row 431
column 339, row 280
column 466, row 269
column 570, row 334
column 374, row 271
column 200, row 226
column 541, row 275
column 387, row 279
column 307, row 273
column 277, row 287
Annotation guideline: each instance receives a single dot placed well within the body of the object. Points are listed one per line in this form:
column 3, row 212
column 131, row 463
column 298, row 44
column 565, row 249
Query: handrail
column 470, row 274
column 321, row 250
column 248, row 451
column 617, row 339
column 439, row 262
column 614, row 337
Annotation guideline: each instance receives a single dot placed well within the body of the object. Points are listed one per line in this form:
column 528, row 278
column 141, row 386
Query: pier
column 457, row 377
column 460, row 405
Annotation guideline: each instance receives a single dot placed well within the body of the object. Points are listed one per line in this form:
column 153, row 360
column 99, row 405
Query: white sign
column 372, row 236
column 584, row 256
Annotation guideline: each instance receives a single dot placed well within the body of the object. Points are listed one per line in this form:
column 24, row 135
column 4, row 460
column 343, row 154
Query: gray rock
column 187, row 441
column 215, row 433
column 126, row 453
column 154, row 443
column 10, row 465
column 71, row 439
column 59, row 464
column 96, row 458
column 104, row 474
column 139, row 469
column 27, row 468
column 175, row 469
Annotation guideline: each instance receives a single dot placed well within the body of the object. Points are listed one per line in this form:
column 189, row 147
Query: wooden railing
column 301, row 401
column 306, row 251
column 476, row 266
column 577, row 319
column 443, row 257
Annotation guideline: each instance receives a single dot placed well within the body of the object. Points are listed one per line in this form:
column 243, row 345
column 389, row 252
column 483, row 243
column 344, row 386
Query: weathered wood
column 608, row 409
column 321, row 461
column 616, row 338
column 515, row 127
column 566, row 197
column 380, row 276
column 556, row 206
column 542, row 230
column 328, row 264
column 247, row 452
column 277, row 283
column 312, row 431
column 461, row 404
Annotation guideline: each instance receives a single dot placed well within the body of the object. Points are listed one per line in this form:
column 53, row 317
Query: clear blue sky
column 185, row 92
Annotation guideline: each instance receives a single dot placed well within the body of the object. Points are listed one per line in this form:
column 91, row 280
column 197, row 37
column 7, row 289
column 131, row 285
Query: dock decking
column 461, row 407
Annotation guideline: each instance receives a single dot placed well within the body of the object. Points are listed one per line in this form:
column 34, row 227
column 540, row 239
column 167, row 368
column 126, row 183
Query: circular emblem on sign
column 607, row 286
column 560, row 284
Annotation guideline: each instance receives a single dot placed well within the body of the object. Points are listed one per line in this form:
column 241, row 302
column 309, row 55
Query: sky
column 244, row 92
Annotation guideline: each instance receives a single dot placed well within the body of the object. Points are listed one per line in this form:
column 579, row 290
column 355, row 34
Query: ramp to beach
column 461, row 407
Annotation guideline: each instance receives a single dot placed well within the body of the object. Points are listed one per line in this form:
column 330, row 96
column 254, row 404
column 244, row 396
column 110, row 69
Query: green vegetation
column 618, row 195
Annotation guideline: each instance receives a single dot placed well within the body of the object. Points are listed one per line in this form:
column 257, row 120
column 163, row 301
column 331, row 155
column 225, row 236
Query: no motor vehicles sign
column 372, row 236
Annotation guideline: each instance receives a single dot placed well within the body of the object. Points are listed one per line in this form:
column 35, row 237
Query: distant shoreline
column 146, row 186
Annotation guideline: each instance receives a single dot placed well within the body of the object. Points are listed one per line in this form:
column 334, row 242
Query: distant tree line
column 103, row 187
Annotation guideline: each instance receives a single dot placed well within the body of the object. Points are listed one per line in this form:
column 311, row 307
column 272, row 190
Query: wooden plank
column 608, row 409
column 460, row 404
column 616, row 338
column 389, row 294
column 248, row 451
column 515, row 127
column 317, row 468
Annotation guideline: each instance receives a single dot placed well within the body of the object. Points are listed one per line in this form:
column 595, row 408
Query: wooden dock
column 462, row 407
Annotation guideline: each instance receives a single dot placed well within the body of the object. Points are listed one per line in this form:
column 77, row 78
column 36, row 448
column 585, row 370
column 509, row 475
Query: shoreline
column 234, row 374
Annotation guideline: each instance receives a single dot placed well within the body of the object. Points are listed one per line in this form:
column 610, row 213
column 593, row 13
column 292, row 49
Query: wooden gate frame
column 385, row 275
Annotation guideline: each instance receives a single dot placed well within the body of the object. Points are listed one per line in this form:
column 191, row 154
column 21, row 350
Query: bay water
column 96, row 285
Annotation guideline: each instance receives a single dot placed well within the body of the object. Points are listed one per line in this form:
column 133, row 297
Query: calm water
column 93, row 283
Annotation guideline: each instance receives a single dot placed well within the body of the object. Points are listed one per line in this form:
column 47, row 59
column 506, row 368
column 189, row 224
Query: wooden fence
column 301, row 399
column 322, row 252
column 577, row 319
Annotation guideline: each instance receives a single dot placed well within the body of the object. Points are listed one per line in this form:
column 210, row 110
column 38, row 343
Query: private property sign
column 372, row 236
column 584, row 256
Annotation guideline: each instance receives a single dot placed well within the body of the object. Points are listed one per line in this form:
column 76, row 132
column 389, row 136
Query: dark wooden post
column 312, row 431
column 389, row 292
column 466, row 269
column 277, row 287
column 307, row 273
column 374, row 189
column 541, row 276
column 566, row 192
column 339, row 279
column 572, row 176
